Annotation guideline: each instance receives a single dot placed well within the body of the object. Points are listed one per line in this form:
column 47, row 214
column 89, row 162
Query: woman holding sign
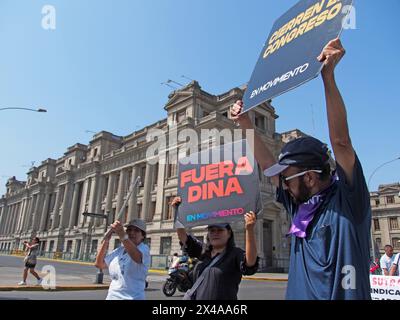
column 221, row 264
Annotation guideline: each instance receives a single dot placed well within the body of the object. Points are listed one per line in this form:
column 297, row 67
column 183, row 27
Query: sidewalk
column 74, row 275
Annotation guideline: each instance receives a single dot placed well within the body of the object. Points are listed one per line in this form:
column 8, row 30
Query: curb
column 266, row 279
column 57, row 288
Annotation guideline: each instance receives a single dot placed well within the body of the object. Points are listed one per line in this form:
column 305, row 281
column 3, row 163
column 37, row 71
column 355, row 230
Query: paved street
column 66, row 273
column 249, row 290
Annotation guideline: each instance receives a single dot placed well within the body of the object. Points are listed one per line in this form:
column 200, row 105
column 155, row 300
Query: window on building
column 69, row 246
column 128, row 180
column 70, row 161
column 165, row 246
column 377, row 202
column 259, row 121
column 155, row 178
column 376, row 225
column 94, row 246
column 169, row 212
column 51, row 246
column 396, row 243
column 62, row 191
column 390, row 199
column 142, row 175
column 49, row 223
column 95, row 150
column 152, row 210
column 180, row 116
column 116, row 184
column 393, row 223
column 140, row 209
column 125, row 216
column 89, row 186
column 172, row 170
column 105, row 189
column 378, row 242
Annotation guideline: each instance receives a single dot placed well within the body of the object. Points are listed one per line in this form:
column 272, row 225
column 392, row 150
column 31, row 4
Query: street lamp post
column 28, row 109
column 369, row 181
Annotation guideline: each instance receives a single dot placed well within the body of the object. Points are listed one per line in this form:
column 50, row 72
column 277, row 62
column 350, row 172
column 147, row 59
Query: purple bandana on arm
column 306, row 211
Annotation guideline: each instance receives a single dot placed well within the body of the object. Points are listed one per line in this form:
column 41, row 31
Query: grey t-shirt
column 32, row 253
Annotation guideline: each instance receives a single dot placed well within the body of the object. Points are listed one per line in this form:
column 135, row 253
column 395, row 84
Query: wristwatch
column 125, row 237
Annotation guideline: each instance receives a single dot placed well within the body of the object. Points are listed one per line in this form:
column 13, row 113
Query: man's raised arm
column 260, row 150
column 336, row 111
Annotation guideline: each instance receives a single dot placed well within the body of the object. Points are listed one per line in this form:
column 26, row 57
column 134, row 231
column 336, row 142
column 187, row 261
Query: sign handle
column 122, row 210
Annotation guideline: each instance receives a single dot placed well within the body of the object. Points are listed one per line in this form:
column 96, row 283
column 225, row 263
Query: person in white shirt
column 387, row 260
column 128, row 265
column 394, row 270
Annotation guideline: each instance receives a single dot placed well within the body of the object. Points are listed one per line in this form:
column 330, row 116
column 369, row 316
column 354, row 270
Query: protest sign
column 218, row 185
column 385, row 287
column 289, row 56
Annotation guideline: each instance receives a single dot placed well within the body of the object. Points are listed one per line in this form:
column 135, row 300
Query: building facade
column 385, row 205
column 96, row 178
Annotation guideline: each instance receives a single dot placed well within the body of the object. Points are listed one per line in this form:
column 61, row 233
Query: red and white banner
column 385, row 287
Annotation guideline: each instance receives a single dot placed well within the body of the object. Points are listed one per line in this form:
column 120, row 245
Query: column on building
column 99, row 199
column 11, row 219
column 25, row 223
column 146, row 191
column 66, row 205
column 45, row 210
column 93, row 196
column 132, row 204
column 82, row 205
column 32, row 212
column 2, row 217
column 38, row 211
column 9, row 214
column 121, row 192
column 74, row 206
column 21, row 215
column 110, row 193
column 160, row 189
column 15, row 218
column 56, row 208
column 385, row 231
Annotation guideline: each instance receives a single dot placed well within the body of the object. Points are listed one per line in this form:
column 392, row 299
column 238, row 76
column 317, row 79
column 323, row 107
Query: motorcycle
column 179, row 278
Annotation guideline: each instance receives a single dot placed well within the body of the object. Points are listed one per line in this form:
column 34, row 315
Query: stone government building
column 96, row 178
column 385, row 205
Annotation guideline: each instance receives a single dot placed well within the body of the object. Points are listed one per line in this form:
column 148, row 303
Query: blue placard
column 289, row 57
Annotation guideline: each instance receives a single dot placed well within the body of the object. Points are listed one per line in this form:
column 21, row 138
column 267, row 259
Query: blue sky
column 102, row 67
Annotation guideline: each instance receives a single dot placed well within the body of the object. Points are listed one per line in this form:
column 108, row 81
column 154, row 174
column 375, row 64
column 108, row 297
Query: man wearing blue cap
column 331, row 214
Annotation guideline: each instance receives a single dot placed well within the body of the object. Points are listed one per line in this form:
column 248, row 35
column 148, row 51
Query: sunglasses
column 299, row 174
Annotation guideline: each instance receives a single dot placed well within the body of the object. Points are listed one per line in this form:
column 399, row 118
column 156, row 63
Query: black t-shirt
column 222, row 280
